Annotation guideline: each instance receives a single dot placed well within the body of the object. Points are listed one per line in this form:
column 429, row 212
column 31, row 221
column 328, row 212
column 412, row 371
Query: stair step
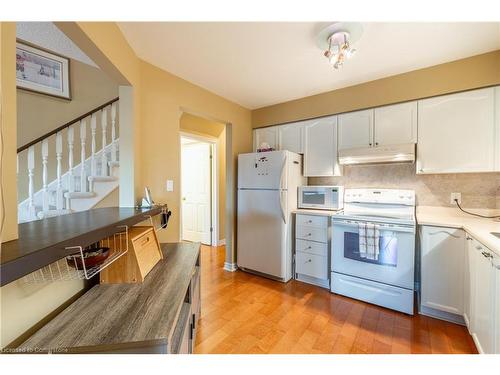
column 102, row 178
column 79, row 195
column 52, row 213
column 114, row 163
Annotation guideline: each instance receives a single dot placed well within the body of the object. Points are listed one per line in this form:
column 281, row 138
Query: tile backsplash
column 479, row 190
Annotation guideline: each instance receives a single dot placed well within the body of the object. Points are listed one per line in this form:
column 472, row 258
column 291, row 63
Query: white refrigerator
column 267, row 195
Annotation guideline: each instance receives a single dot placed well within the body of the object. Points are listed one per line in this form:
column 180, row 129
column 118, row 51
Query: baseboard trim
column 221, row 242
column 230, row 267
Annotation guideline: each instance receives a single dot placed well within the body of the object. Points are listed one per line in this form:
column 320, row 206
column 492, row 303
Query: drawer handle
column 308, row 261
column 309, row 234
column 309, row 221
column 145, row 241
column 479, row 248
column 486, row 254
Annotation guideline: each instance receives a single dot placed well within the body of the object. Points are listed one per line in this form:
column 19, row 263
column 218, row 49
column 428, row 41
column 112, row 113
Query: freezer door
column 262, row 170
column 262, row 233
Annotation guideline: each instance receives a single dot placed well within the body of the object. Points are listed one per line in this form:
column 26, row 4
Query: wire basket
column 62, row 270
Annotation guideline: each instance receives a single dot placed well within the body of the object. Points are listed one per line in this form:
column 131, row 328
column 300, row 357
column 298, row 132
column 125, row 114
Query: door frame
column 214, row 183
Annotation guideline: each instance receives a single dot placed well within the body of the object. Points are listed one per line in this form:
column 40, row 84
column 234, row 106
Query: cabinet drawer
column 312, row 220
column 316, row 248
column 312, row 233
column 311, row 265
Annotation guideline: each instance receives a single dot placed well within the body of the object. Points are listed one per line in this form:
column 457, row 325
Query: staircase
column 80, row 186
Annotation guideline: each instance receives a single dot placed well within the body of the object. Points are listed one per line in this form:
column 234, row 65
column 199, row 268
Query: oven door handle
column 389, row 227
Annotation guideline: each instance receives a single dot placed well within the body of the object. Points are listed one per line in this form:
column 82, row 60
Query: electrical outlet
column 170, row 185
column 457, row 196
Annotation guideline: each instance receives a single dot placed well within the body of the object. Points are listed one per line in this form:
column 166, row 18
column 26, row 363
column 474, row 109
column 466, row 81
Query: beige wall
column 200, row 126
column 479, row 190
column 164, row 97
column 473, row 72
column 111, row 200
column 8, row 128
column 38, row 114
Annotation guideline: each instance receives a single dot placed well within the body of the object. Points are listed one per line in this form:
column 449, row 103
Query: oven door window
column 388, row 249
column 313, row 197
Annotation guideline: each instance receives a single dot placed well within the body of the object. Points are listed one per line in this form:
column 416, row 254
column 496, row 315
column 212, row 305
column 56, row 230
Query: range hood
column 404, row 153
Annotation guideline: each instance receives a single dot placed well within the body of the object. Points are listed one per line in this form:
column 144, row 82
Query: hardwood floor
column 243, row 313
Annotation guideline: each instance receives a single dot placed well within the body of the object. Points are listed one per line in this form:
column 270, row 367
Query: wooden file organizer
column 143, row 253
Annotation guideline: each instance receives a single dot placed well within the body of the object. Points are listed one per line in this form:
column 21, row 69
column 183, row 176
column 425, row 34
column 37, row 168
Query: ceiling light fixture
column 336, row 40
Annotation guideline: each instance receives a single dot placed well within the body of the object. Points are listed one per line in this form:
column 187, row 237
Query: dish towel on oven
column 369, row 235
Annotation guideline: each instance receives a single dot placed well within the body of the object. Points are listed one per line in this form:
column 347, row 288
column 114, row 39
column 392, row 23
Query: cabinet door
column 483, row 308
column 442, row 265
column 468, row 285
column 291, row 137
column 320, row 151
column 265, row 135
column 456, row 133
column 396, row 124
column 356, row 129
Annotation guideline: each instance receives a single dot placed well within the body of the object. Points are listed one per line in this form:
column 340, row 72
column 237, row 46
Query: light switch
column 170, row 185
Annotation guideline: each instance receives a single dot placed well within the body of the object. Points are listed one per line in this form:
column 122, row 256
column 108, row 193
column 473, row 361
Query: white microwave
column 321, row 197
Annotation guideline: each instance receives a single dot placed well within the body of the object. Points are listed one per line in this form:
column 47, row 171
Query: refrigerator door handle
column 281, row 205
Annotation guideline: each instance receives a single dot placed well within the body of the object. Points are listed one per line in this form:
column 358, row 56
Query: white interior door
column 196, row 193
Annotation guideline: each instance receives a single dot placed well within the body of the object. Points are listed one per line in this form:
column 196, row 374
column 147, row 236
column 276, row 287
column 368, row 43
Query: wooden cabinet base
column 142, row 255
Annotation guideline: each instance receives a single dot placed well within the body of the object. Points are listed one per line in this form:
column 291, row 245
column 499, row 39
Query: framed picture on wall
column 42, row 71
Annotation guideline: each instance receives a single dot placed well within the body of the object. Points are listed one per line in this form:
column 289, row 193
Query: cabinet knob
column 369, row 144
column 376, row 143
column 309, row 221
column 309, row 261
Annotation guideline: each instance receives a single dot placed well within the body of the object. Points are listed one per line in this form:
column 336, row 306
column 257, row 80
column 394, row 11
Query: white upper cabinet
column 290, row 137
column 442, row 269
column 356, row 129
column 265, row 135
column 457, row 133
column 320, row 147
column 395, row 124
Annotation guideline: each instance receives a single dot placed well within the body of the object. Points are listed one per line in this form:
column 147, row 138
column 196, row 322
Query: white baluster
column 59, row 193
column 93, row 128
column 83, row 173
column 113, row 132
column 71, row 144
column 104, row 126
column 45, row 160
column 31, row 170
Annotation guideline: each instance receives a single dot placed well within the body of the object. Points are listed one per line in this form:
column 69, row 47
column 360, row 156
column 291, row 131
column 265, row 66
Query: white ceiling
column 257, row 64
column 48, row 36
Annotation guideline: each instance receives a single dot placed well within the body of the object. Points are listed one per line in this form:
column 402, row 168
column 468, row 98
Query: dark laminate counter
column 42, row 242
column 124, row 317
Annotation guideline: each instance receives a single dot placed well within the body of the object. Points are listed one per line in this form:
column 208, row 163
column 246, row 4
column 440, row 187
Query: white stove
column 373, row 247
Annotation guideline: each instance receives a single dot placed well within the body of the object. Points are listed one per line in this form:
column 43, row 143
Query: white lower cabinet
column 311, row 257
column 461, row 277
column 442, row 253
column 484, row 313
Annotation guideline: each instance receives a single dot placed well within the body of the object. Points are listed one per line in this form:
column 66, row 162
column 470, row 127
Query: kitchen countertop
column 42, row 242
column 479, row 228
column 117, row 315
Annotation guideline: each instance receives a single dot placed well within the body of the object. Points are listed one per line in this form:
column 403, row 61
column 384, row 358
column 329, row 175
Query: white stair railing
column 83, row 140
column 71, row 145
column 104, row 126
column 50, row 198
column 113, row 133
column 45, row 182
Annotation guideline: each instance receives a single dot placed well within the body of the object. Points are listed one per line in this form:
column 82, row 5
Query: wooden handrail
column 66, row 125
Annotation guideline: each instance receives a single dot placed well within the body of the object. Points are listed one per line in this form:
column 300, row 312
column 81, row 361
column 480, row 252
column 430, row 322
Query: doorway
column 198, row 189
